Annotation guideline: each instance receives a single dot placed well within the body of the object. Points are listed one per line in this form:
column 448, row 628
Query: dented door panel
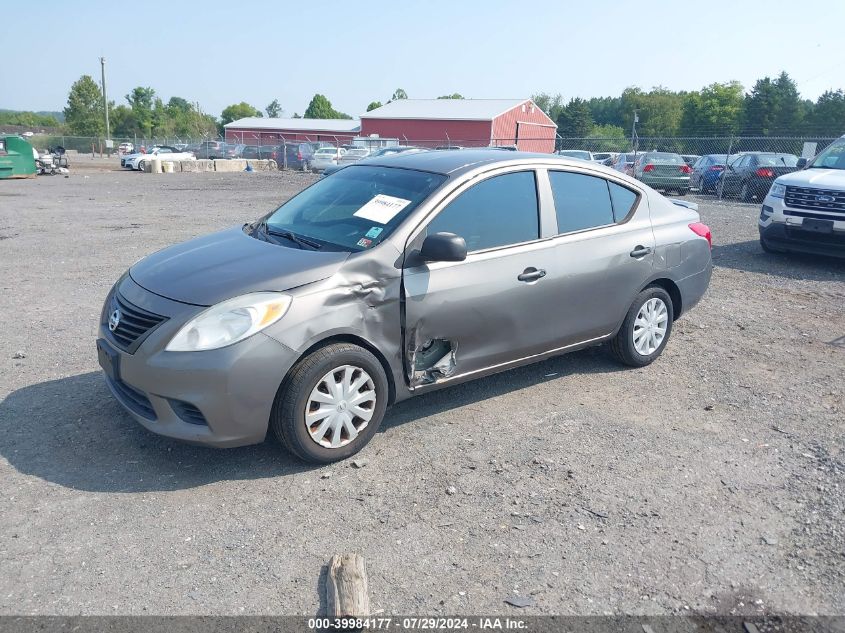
column 461, row 317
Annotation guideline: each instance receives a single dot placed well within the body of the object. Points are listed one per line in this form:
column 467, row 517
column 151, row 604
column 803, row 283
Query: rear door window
column 581, row 201
column 499, row 211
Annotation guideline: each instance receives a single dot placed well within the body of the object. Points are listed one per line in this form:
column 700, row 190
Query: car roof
column 463, row 160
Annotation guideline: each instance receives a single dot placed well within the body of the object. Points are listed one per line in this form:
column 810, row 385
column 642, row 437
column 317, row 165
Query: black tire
column 622, row 345
column 287, row 418
column 683, row 192
column 745, row 194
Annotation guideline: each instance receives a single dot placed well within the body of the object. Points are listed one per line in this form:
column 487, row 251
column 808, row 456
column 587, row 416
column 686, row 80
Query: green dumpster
column 16, row 158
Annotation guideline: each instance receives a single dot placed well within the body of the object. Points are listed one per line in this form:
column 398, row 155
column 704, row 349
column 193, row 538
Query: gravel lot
column 710, row 482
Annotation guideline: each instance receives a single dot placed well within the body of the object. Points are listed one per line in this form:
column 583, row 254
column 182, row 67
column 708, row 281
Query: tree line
column 773, row 107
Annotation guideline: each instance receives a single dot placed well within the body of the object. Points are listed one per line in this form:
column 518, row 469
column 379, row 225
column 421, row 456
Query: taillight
column 717, row 168
column 702, row 230
column 648, row 168
column 765, row 172
column 686, row 169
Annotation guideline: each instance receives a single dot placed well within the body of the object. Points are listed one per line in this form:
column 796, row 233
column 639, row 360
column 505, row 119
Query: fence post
column 725, row 172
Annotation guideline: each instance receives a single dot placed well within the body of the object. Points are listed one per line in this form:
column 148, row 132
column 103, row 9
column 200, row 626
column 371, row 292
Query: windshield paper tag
column 382, row 208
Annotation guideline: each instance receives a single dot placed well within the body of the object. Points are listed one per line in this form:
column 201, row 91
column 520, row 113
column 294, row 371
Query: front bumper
column 219, row 398
column 783, row 228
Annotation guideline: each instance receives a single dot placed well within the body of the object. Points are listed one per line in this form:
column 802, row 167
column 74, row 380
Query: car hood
column 821, row 178
column 216, row 267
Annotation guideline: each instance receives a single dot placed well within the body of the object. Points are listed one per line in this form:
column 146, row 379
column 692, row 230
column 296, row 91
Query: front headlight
column 230, row 321
column 777, row 190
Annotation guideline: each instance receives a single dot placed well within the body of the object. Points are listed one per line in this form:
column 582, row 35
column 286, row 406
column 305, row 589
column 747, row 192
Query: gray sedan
column 392, row 278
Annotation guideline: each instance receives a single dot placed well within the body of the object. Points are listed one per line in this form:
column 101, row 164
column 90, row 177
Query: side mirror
column 443, row 247
column 802, row 163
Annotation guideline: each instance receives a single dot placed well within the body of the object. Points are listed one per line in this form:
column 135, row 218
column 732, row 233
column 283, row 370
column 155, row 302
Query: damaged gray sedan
column 390, row 279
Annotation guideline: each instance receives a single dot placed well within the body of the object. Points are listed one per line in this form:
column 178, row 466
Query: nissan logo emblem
column 114, row 320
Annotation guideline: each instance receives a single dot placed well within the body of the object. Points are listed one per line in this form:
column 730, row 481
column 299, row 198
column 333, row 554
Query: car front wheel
column 331, row 404
column 646, row 328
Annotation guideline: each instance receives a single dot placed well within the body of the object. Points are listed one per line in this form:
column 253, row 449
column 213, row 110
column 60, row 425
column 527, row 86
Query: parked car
column 705, row 172
column 663, row 170
column 180, row 146
column 211, row 149
column 265, row 152
column 354, row 155
column 750, row 175
column 804, row 210
column 690, row 159
column 604, row 157
column 233, row 150
column 326, row 157
column 165, row 152
column 384, row 152
column 125, row 148
column 298, row 156
column 394, row 277
column 576, row 153
column 625, row 163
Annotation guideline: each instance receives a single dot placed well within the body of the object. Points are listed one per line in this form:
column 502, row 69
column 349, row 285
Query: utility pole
column 105, row 99
column 635, row 141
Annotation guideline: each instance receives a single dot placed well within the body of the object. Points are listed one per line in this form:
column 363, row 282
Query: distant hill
column 27, row 118
column 58, row 115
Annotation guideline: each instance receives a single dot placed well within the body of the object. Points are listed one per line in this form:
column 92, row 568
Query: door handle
column 531, row 274
column 641, row 251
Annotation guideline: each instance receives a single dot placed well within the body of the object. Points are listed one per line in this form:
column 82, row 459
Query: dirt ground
column 709, row 482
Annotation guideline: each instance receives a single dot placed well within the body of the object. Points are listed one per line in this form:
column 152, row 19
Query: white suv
column 805, row 211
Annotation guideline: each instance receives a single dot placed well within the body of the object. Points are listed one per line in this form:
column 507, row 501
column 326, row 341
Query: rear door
column 605, row 252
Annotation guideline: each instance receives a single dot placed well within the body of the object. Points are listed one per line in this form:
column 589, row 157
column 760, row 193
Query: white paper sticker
column 382, row 208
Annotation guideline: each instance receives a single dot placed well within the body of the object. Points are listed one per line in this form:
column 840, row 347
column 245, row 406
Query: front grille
column 188, row 412
column 134, row 324
column 133, row 399
column 832, row 204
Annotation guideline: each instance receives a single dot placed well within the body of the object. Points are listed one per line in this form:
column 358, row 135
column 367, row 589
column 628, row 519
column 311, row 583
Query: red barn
column 261, row 131
column 463, row 122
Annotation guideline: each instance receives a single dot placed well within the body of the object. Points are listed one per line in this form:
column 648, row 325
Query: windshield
column 661, row 158
column 831, row 158
column 777, row 160
column 355, row 208
column 574, row 153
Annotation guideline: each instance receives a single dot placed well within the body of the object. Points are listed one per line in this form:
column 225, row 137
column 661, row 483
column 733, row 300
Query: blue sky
column 220, row 53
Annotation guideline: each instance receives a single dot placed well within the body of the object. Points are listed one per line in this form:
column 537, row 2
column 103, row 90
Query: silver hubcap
column 340, row 406
column 650, row 326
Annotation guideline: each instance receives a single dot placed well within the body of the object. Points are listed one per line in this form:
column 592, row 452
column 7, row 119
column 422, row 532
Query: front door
column 461, row 317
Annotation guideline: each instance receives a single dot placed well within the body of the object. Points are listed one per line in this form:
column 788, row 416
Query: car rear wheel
column 646, row 328
column 331, row 404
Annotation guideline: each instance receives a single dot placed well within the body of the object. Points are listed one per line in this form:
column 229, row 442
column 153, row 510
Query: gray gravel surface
column 709, row 482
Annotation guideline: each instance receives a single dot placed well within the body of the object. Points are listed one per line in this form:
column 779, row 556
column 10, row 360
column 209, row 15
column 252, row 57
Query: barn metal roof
column 317, row 125
column 444, row 109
